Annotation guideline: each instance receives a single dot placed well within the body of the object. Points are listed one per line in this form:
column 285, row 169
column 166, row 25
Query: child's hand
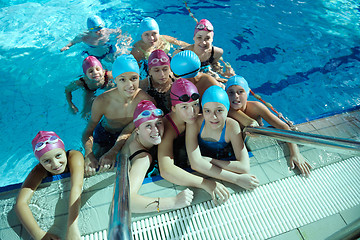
column 107, row 161
column 219, row 193
column 301, row 163
column 64, row 49
column 248, row 181
column 91, row 164
column 74, row 109
column 184, row 198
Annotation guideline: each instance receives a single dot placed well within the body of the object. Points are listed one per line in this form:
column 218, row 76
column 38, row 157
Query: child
column 185, row 109
column 53, row 160
column 95, row 77
column 148, row 133
column 238, row 90
column 214, row 142
column 186, row 64
column 98, row 38
column 160, row 79
column 208, row 54
column 111, row 116
column 152, row 40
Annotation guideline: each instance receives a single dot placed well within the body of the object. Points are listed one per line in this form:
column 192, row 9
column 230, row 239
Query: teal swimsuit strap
column 222, row 137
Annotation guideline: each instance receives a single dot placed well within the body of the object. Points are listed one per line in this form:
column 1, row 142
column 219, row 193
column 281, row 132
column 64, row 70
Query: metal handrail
column 339, row 145
column 120, row 217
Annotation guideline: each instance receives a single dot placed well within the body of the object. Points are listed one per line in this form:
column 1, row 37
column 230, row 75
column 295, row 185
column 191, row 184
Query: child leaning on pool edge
column 140, row 148
column 238, row 90
column 214, row 142
column 49, row 149
column 95, row 77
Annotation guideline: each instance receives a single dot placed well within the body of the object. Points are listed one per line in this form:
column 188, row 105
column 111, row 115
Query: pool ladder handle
column 339, row 145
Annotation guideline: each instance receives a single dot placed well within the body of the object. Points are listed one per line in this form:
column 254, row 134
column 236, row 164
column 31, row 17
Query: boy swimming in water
column 238, row 90
column 95, row 78
column 99, row 39
column 111, row 116
column 49, row 149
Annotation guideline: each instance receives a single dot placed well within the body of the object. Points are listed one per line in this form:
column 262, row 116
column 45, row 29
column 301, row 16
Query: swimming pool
column 301, row 56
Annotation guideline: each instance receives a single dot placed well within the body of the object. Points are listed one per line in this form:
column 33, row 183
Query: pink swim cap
column 158, row 58
column 183, row 90
column 146, row 111
column 90, row 61
column 204, row 25
column 45, row 141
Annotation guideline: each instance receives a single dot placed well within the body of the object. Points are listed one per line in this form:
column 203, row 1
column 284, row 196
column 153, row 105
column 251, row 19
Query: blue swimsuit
column 220, row 150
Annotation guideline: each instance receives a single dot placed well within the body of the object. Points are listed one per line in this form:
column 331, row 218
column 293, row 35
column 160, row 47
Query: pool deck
column 269, row 164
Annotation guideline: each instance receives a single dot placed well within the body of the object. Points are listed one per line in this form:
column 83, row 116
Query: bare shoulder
column 142, row 95
column 218, row 52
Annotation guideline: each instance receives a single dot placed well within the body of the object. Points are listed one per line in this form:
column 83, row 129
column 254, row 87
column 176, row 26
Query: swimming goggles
column 41, row 145
column 181, row 75
column 147, row 113
column 97, row 27
column 156, row 60
column 202, row 26
column 186, row 97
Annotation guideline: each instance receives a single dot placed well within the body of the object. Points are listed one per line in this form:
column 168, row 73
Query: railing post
column 120, row 217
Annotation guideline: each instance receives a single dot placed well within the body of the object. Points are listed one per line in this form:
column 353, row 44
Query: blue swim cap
column 185, row 64
column 95, row 23
column 215, row 94
column 125, row 63
column 148, row 24
column 238, row 80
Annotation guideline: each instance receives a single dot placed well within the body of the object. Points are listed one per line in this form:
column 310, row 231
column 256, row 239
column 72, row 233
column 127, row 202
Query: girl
column 160, row 79
column 53, row 160
column 148, row 133
column 185, row 109
column 95, row 78
column 238, row 90
column 150, row 41
column 214, row 142
column 209, row 55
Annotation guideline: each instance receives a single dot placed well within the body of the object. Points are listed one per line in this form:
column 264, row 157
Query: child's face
column 151, row 131
column 150, row 37
column 237, row 97
column 160, row 74
column 215, row 114
column 128, row 83
column 187, row 111
column 203, row 40
column 54, row 161
column 95, row 73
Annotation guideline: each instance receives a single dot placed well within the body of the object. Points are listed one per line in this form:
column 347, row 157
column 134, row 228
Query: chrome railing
column 339, row 145
column 120, row 216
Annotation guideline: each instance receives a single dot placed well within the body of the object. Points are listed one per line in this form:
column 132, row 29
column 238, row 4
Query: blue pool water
column 301, row 56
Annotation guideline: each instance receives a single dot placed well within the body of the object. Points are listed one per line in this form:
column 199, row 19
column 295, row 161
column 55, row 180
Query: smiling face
column 215, row 114
column 203, row 40
column 187, row 111
column 95, row 73
column 238, row 97
column 151, row 132
column 160, row 74
column 54, row 161
column 127, row 83
column 150, row 37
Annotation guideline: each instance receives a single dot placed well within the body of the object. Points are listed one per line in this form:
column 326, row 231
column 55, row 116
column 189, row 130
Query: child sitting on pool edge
column 95, row 78
column 238, row 90
column 49, row 149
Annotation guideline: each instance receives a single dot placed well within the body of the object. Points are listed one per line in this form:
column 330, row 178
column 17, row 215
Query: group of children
column 146, row 120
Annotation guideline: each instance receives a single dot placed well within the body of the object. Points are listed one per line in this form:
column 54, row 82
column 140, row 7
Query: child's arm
column 76, row 40
column 68, row 90
column 76, row 166
column 138, row 55
column 295, row 156
column 175, row 41
column 141, row 204
column 22, row 209
column 242, row 118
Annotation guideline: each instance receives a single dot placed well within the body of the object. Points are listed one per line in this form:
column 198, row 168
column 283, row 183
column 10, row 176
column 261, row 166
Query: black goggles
column 181, row 75
column 186, row 97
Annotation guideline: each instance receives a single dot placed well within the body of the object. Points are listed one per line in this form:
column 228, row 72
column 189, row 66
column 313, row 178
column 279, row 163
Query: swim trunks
column 103, row 137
